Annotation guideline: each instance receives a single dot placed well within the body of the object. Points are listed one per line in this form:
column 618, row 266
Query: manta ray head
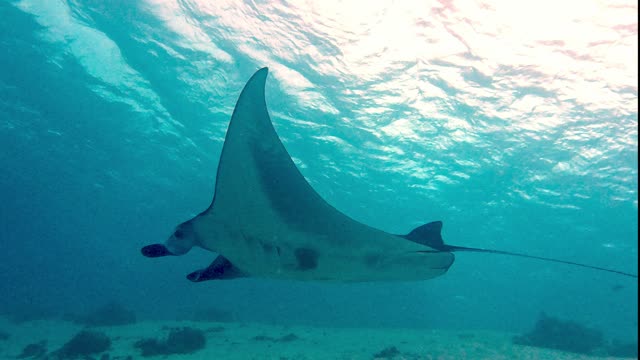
column 180, row 242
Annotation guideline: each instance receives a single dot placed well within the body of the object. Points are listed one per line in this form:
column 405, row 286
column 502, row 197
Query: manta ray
column 267, row 221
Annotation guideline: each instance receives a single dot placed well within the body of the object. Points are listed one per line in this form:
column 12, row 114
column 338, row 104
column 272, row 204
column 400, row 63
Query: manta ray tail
column 430, row 235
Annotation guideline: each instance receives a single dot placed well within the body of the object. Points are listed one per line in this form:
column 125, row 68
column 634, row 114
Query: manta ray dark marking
column 266, row 221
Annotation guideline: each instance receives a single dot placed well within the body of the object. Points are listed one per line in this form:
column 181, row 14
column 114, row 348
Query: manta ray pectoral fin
column 220, row 269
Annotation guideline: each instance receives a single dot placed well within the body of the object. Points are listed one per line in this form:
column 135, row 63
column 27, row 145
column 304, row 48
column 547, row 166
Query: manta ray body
column 266, row 221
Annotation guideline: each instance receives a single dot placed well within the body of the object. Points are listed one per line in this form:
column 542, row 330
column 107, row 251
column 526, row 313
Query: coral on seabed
column 184, row 340
column 83, row 344
column 553, row 333
column 35, row 350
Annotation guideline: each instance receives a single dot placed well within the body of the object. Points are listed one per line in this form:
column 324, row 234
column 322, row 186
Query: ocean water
column 516, row 124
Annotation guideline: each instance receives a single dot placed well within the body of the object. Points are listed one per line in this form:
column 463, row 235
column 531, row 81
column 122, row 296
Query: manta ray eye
column 179, row 234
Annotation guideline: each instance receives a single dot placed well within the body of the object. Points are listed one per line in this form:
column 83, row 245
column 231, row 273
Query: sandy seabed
column 260, row 341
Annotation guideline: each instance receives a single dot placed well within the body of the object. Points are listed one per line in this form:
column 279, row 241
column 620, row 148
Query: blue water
column 519, row 137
